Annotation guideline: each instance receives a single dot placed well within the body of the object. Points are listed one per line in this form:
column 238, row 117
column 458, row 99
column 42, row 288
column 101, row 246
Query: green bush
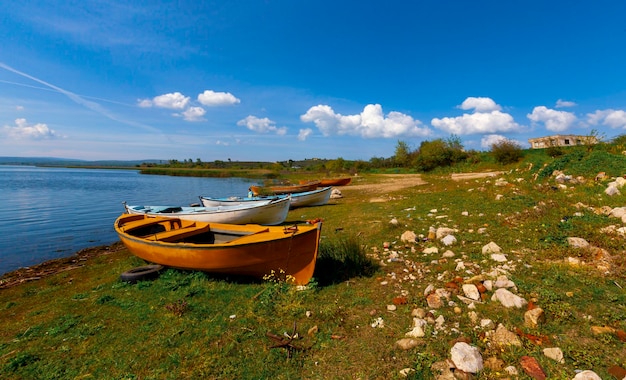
column 507, row 152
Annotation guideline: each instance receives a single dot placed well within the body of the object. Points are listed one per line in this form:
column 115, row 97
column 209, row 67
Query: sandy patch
column 466, row 176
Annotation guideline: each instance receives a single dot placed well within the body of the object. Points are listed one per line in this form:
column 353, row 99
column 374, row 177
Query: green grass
column 85, row 323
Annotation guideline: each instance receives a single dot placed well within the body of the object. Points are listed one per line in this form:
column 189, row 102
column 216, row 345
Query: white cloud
column 487, row 118
column 194, row 114
column 564, row 103
column 263, row 125
column 144, row 103
column 22, row 130
column 480, row 104
column 175, row 101
column 371, row 123
column 612, row 118
column 488, row 140
column 19, row 108
column 212, row 99
column 304, row 134
column 555, row 121
column 479, row 122
column 223, row 143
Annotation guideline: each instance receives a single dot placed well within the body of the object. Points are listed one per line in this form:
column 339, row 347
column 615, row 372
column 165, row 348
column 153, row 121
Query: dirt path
column 394, row 182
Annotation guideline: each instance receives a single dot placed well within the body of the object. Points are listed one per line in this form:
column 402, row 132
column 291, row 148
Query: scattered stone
column 554, row 353
column 434, row 301
column 534, row 317
column 407, row 343
column 487, row 324
column 587, row 375
column 418, row 313
column 393, row 222
column 408, row 237
column 617, row 372
column 378, row 323
column 508, row 299
column 471, row 292
column 466, row 358
column 503, row 338
column 430, row 250
column 418, row 329
column 401, row 300
column 443, row 232
column 499, row 257
column 511, row 370
column 532, row 368
column 391, row 307
column 335, row 193
column 448, row 240
column 576, row 242
column 406, row 372
column 599, row 330
column 447, row 254
column 491, row 248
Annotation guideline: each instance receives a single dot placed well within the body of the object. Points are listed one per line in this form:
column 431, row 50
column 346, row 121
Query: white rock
column 488, row 285
column 406, row 371
column 587, row 375
column 554, row 353
column 430, row 250
column 378, row 323
column 499, row 257
column 471, row 291
column 611, row 190
column 511, row 370
column 466, row 358
column 618, row 212
column 392, row 307
column 448, row 240
column 508, row 299
column 487, row 324
column 465, row 213
column 443, row 232
column 448, row 254
column 408, row 237
column 393, row 222
column 491, row 248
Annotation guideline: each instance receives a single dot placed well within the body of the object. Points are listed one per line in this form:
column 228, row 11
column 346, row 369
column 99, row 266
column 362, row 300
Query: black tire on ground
column 146, row 272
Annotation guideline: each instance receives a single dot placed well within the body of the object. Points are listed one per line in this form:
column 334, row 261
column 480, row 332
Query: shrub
column 439, row 153
column 506, row 152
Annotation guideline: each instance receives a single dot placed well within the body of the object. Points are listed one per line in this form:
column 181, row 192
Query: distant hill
column 53, row 161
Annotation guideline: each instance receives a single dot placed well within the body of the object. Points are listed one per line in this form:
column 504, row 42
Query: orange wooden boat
column 287, row 252
column 332, row 181
column 335, row 181
column 284, row 189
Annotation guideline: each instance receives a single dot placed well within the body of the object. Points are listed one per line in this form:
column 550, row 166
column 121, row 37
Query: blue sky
column 278, row 80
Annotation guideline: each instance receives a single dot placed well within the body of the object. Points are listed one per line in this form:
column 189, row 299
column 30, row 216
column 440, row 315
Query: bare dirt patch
column 392, row 182
column 466, row 176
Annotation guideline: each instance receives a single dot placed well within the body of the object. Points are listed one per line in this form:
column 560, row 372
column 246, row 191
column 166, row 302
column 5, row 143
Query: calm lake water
column 48, row 213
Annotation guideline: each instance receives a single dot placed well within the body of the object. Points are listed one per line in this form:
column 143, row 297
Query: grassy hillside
column 370, row 287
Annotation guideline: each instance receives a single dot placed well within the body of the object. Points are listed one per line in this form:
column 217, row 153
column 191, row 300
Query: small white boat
column 230, row 201
column 269, row 212
column 317, row 197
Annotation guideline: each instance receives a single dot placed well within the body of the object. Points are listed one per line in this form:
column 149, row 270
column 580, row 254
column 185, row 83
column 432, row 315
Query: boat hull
column 287, row 189
column 269, row 212
column 243, row 250
column 214, row 202
column 317, row 197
